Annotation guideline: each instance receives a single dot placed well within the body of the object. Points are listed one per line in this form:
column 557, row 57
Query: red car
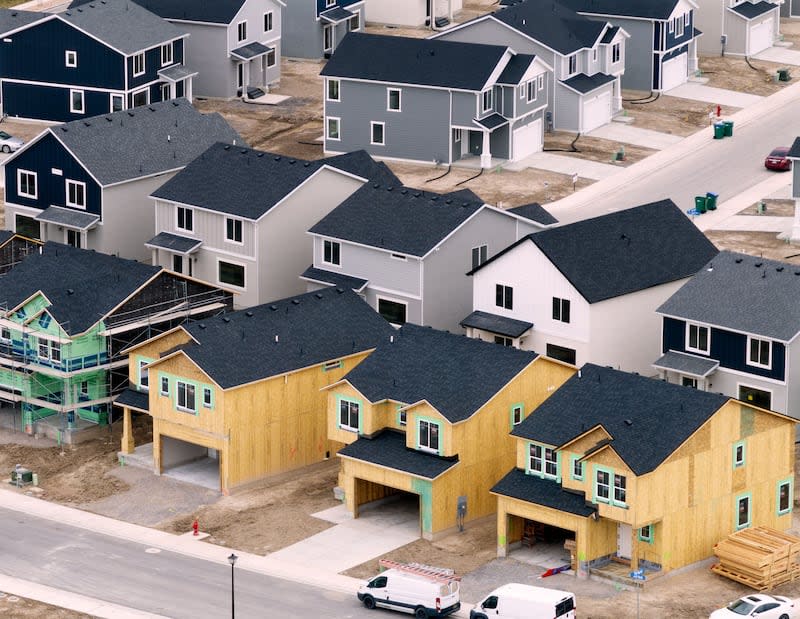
column 777, row 159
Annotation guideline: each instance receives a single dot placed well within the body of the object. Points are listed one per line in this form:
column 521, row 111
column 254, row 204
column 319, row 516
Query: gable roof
column 647, row 419
column 403, row 60
column 751, row 10
column 284, row 336
column 144, row 140
column 82, row 285
column 457, row 375
column 652, row 9
column 396, row 218
column 534, row 212
column 742, row 293
column 360, row 163
column 11, row 19
column 549, row 493
column 584, row 84
column 623, row 252
column 214, row 12
column 122, row 24
column 515, row 69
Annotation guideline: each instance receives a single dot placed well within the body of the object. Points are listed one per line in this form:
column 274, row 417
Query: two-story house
column 587, row 292
column 662, row 48
column 314, row 28
column 239, row 216
column 423, row 416
column 242, row 390
column 738, row 27
column 587, row 57
column 86, row 183
column 433, row 100
column 639, row 471
column 93, row 59
column 407, row 251
column 732, row 329
column 67, row 314
column 414, row 13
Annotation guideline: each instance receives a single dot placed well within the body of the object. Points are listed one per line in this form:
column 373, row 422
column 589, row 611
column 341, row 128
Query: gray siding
column 566, row 115
column 736, row 29
column 795, row 179
column 465, row 108
column 708, row 19
column 638, row 53
column 207, row 53
column 302, row 31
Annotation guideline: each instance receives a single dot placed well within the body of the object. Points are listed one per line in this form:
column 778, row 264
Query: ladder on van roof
column 440, row 574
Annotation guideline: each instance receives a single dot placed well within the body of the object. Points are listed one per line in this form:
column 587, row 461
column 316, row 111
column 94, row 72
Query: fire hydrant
column 719, row 110
column 195, row 528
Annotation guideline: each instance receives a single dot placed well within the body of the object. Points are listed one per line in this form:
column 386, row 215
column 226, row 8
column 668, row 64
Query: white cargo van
column 415, row 590
column 516, row 601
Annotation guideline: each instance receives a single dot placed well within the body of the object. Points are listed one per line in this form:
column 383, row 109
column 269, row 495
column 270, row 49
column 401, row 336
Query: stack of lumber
column 761, row 558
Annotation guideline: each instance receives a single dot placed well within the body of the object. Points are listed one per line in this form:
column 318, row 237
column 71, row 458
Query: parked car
column 516, row 601
column 8, row 143
column 778, row 160
column 757, row 605
column 422, row 592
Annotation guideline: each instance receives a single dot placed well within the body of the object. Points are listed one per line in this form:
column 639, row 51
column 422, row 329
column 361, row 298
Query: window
column 616, row 51
column 44, row 349
column 594, row 54
column 166, row 92
column 333, row 128
column 177, row 263
column 543, row 461
column 479, row 255
column 679, row 26
column 330, row 3
column 532, row 93
column 268, row 22
column 671, row 26
column 688, row 381
column 117, row 103
column 503, row 341
column 758, row 352
column 540, row 82
column 76, row 102
column 620, row 484
column 141, row 97
column 333, row 90
column 402, row 416
column 573, row 64
column 646, row 533
column 26, row 184
column 393, row 96
column 144, row 375
column 327, row 38
column 756, row 397
column 739, row 454
column 354, row 23
column 392, row 311
column 784, row 498
column 602, row 485
column 55, row 352
column 166, row 54
column 376, row 133
column 504, row 296
column 743, row 511
column 84, row 388
column 271, row 58
column 349, row 415
column 185, row 219
column 697, row 339
column 517, row 414
column 138, row 64
column 428, row 436
column 561, row 309
column 5, row 334
column 164, row 385
column 186, row 401
column 71, row 58
column 76, row 194
column 576, row 470
column 332, row 253
column 232, row 274
column 456, row 135
column 686, row 19
column 241, row 31
column 486, row 100
column 207, row 397
column 399, row 257
column 332, row 365
column 233, row 230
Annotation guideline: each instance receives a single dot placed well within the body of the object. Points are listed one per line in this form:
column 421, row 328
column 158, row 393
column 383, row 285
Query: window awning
column 174, row 242
column 321, row 276
column 136, row 400
column 690, row 365
column 493, row 323
column 176, row 73
column 250, row 51
column 69, row 218
column 336, row 15
column 491, row 122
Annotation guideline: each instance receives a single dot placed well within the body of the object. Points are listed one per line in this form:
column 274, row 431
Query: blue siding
column 657, row 27
column 321, row 4
column 688, row 34
column 42, row 157
column 50, row 102
column 152, row 65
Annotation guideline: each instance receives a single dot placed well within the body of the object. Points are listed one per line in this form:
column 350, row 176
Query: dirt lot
column 13, row 607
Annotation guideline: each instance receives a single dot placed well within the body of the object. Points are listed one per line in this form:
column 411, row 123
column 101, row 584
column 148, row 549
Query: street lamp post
column 232, row 561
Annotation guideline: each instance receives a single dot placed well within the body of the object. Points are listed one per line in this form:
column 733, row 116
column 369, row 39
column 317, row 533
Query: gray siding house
column 407, row 251
column 314, row 28
column 587, row 57
column 738, row 27
column 434, row 101
column 237, row 43
column 412, row 12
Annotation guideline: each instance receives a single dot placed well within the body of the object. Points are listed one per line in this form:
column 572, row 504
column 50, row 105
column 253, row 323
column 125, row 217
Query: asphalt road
column 164, row 583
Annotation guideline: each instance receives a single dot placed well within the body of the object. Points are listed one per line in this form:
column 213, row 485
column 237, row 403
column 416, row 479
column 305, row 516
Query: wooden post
column 128, row 444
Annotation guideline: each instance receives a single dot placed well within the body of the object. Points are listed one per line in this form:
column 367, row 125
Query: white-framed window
column 144, row 375
column 532, row 90
column 698, row 338
column 393, row 99
column 166, row 54
column 561, row 309
column 141, row 97
column 428, row 435
column 71, row 58
column 332, row 128
column 332, row 252
column 349, row 415
column 185, row 396
column 759, row 352
column 43, row 349
column 5, row 334
column 616, row 52
column 543, row 460
column 333, row 90
column 76, row 103
column 207, row 397
column 602, row 485
column 354, row 23
column 456, row 135
column 184, row 219
column 487, row 99
column 504, row 296
column 502, row 340
column 166, row 92
column 270, row 58
column 671, row 27
column 620, row 488
column 74, row 238
column 241, row 31
column 330, row 3
column 231, row 274
column 76, row 194
column 686, row 19
column 572, row 64
column 233, row 230
column 594, row 54
column 402, row 417
column 517, row 414
column 679, row 26
column 479, row 255
column 577, row 468
column 55, row 351
column 164, row 385
column 117, row 103
column 268, row 21
column 395, row 312
column 138, row 64
column 83, row 389
column 377, row 133
column 757, row 397
column 327, row 38
column 26, row 184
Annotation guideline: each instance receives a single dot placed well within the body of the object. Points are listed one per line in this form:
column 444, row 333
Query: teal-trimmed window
column 517, row 414
column 208, row 397
column 739, row 454
column 620, row 489
column 543, row 461
column 164, row 385
column 784, row 496
column 83, row 388
column 5, row 334
column 576, row 467
column 186, row 396
column 429, row 435
column 332, row 365
column 610, row 487
column 349, row 414
column 743, row 511
column 44, row 320
column 402, row 415
column 646, row 534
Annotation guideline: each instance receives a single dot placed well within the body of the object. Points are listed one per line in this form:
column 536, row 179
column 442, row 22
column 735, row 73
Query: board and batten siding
column 207, row 47
column 639, row 48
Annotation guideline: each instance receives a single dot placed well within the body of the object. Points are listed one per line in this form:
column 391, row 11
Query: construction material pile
column 761, row 558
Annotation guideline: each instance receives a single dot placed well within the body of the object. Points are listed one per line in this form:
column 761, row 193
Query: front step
column 254, row 93
column 442, row 22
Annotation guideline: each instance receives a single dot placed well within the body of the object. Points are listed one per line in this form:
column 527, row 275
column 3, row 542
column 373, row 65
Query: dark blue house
column 314, row 28
column 97, row 58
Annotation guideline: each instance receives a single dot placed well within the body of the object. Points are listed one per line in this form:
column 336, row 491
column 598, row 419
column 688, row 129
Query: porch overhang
column 174, row 243
column 68, row 218
column 336, row 15
column 584, row 84
column 251, row 51
column 684, row 363
column 176, row 73
column 329, row 278
column 508, row 327
column 491, row 122
column 134, row 400
column 545, row 492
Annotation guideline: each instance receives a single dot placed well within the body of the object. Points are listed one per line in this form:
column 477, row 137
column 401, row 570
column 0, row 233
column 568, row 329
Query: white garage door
column 673, row 72
column 527, row 140
column 761, row 36
column 596, row 112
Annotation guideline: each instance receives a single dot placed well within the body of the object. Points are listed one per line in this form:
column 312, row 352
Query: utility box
column 21, row 476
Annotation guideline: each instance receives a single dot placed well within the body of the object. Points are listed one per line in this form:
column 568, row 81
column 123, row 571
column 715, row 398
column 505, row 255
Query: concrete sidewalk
column 628, row 134
column 780, row 55
column 709, row 94
column 562, row 164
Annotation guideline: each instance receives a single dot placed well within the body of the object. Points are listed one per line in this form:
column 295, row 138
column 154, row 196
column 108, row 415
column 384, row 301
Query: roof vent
column 448, row 201
column 151, row 108
column 70, row 291
column 202, row 325
column 273, row 307
column 404, row 191
column 434, row 198
column 226, row 319
column 763, row 274
column 249, row 314
column 292, row 161
column 738, row 261
column 295, row 301
column 64, row 129
column 319, row 295
column 779, row 269
column 109, row 119
column 417, row 194
column 131, row 114
column 340, row 290
column 226, row 147
column 87, row 123
column 391, row 339
column 306, row 164
column 758, row 265
column 375, row 186
column 629, row 422
column 243, row 151
column 276, row 338
column 388, row 189
column 259, row 154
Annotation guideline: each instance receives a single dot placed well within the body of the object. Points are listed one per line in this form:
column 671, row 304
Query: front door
column 624, row 541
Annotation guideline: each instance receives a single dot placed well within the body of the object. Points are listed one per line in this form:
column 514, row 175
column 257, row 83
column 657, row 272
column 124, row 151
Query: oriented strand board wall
column 153, row 348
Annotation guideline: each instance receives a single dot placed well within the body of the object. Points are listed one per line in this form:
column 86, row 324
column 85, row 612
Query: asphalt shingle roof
column 534, row 212
column 515, row 69
column 396, row 218
column 174, row 242
column 652, row 9
column 455, row 374
column 749, row 10
column 647, row 419
column 312, row 328
column 11, row 19
column 794, row 151
column 144, row 140
column 360, row 163
column 216, row 12
column 548, row 493
column 742, row 293
column 501, row 325
column 622, row 252
column 389, row 449
column 135, row 399
column 587, row 83
column 67, row 217
column 334, row 279
column 83, row 286
column 402, row 60
column 686, row 363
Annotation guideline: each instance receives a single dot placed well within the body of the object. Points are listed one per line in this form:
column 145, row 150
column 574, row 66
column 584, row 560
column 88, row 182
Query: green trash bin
column 783, row 75
column 719, row 131
column 700, row 204
column 711, row 201
column 728, row 125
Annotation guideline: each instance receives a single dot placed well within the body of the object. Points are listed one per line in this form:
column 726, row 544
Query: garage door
column 673, row 72
column 761, row 36
column 527, row 139
column 596, row 112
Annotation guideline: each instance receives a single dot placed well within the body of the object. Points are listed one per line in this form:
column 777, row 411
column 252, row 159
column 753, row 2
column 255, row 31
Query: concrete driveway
column 780, row 55
column 563, row 164
column 715, row 96
column 628, row 134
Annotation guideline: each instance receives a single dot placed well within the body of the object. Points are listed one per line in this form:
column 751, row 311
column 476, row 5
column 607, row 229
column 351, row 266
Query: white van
column 516, row 601
column 418, row 594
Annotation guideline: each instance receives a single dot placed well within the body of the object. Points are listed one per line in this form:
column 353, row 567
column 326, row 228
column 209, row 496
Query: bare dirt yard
column 14, row 607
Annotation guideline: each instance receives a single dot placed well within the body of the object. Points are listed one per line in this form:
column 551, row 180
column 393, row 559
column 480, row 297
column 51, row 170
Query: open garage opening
column 390, row 505
column 194, row 464
column 541, row 544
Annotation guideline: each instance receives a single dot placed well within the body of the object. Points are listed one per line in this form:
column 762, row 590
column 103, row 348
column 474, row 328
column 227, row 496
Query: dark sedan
column 777, row 159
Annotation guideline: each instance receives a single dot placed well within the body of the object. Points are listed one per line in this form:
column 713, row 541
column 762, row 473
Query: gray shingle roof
column 174, row 242
column 402, row 60
column 587, row 83
column 515, row 69
column 686, row 364
column 492, row 121
column 794, row 151
column 548, row 493
column 11, row 19
column 67, row 217
column 501, row 325
column 83, row 286
column 625, row 251
column 216, row 12
column 5, row 235
column 652, row 9
column 455, row 374
column 396, row 218
column 742, row 293
column 360, row 163
column 388, row 449
column 135, row 399
column 750, row 10
column 611, row 32
column 334, row 279
column 241, row 347
column 534, row 212
column 143, row 141
column 122, row 24
column 250, row 51
column 647, row 419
